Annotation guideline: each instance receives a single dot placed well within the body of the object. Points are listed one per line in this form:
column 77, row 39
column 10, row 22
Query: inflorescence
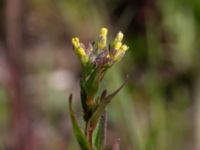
column 101, row 54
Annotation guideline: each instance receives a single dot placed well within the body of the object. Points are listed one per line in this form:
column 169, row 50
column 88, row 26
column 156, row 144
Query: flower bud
column 82, row 54
column 102, row 38
column 120, row 53
column 75, row 42
column 124, row 48
column 117, row 45
column 119, row 37
column 79, row 50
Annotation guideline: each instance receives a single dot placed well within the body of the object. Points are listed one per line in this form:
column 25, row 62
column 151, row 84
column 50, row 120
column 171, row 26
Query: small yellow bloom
column 120, row 53
column 79, row 50
column 75, row 42
column 102, row 38
column 83, row 56
column 118, row 45
column 103, row 31
column 124, row 48
column 119, row 37
column 111, row 54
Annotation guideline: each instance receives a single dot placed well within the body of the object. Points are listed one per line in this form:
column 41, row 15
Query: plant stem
column 89, row 134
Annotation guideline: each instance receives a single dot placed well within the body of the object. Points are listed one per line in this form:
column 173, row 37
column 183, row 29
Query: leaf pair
column 104, row 101
column 98, row 116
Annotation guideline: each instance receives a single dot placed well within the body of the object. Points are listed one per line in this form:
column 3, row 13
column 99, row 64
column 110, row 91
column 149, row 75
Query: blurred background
column 159, row 109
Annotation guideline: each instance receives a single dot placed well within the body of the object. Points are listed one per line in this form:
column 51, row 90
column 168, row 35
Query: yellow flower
column 79, row 50
column 82, row 54
column 119, row 37
column 120, row 53
column 75, row 42
column 103, row 31
column 117, row 43
column 102, row 38
column 89, row 54
column 124, row 48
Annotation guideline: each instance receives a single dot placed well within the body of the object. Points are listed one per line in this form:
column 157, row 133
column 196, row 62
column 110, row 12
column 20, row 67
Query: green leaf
column 99, row 137
column 105, row 100
column 92, row 83
column 81, row 138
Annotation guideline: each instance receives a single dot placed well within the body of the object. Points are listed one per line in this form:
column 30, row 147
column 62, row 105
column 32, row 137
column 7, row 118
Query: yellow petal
column 124, row 47
column 103, row 31
column 81, row 51
column 83, row 56
column 119, row 37
column 120, row 53
column 102, row 38
column 117, row 41
column 117, row 45
column 75, row 42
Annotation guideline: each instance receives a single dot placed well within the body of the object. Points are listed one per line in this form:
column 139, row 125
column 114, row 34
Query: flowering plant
column 96, row 59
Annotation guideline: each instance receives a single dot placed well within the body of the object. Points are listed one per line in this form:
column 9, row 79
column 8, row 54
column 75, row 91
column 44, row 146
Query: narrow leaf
column 81, row 138
column 103, row 95
column 101, row 107
column 101, row 132
column 109, row 97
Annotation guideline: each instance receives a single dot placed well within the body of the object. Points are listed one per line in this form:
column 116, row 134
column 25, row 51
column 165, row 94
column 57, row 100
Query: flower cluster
column 101, row 54
column 96, row 59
